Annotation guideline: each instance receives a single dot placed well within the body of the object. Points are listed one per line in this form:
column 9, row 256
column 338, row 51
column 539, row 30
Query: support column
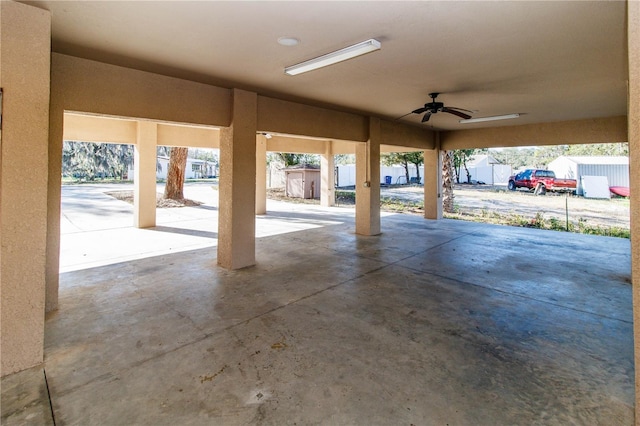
column 144, row 191
column 54, row 197
column 633, row 117
column 25, row 78
column 327, row 176
column 236, row 219
column 433, row 182
column 368, row 182
column 261, row 174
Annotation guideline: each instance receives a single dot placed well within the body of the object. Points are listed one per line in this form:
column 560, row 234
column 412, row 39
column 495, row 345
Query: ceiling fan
column 434, row 107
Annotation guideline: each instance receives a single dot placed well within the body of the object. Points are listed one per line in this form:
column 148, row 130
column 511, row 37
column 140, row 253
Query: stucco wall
column 24, row 73
column 597, row 130
column 278, row 116
column 88, row 86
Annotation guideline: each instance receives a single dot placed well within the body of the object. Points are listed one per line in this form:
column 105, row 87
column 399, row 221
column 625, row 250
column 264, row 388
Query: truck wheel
column 511, row 186
column 540, row 189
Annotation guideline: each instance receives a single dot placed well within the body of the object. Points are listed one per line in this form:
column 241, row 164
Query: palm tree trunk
column 447, row 181
column 175, row 176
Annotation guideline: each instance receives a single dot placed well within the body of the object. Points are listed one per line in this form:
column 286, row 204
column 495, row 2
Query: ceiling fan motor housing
column 434, row 106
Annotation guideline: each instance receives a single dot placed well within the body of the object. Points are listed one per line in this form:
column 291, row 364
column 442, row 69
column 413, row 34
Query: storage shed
column 616, row 169
column 485, row 168
column 303, row 181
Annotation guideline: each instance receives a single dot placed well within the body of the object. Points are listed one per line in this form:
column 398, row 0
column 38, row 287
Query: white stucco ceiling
column 550, row 61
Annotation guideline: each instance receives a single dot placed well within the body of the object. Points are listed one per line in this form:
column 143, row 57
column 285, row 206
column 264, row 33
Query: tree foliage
column 345, row 159
column 404, row 159
column 88, row 161
column 290, row 159
column 541, row 156
column 396, row 158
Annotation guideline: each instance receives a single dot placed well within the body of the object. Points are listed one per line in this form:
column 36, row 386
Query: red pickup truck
column 540, row 181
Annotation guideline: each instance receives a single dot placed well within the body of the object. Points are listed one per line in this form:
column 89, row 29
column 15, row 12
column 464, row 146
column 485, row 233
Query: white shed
column 616, row 169
column 303, row 181
column 485, row 168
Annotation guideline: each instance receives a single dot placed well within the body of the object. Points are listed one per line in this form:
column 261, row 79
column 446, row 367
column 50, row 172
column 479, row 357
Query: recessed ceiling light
column 288, row 41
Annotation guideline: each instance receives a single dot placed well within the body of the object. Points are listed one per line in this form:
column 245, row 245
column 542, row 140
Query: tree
column 447, row 181
column 393, row 158
column 88, row 160
column 293, row 159
column 345, row 158
column 416, row 158
column 460, row 158
column 543, row 155
column 517, row 158
column 174, row 188
column 608, row 149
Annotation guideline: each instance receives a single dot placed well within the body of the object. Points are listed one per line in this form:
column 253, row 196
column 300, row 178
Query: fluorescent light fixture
column 334, row 57
column 492, row 118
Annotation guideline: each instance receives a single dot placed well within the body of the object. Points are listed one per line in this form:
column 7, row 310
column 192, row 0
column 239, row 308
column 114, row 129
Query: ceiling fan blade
column 426, row 117
column 419, row 110
column 458, row 113
column 462, row 109
column 402, row 116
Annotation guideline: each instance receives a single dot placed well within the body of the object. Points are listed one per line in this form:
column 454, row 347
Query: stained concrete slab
column 24, row 399
column 432, row 322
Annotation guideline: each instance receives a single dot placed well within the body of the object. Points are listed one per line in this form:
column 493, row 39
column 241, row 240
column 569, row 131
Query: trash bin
column 387, row 180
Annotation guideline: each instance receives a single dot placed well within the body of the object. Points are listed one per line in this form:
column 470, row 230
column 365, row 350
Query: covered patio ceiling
column 548, row 61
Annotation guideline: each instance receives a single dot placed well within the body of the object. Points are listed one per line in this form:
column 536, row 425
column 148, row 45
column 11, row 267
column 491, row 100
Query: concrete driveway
column 97, row 229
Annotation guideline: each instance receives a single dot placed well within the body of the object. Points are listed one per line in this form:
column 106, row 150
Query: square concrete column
column 261, row 174
column 24, row 143
column 433, row 184
column 236, row 219
column 633, row 117
column 368, row 182
column 54, row 197
column 327, row 176
column 144, row 195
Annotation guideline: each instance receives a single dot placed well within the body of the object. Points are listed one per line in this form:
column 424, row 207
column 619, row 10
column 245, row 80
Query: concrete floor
column 441, row 322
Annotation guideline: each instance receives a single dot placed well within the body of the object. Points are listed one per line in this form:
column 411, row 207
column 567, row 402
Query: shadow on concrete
column 184, row 231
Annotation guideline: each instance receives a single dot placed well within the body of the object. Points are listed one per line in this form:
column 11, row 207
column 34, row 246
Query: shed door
column 295, row 184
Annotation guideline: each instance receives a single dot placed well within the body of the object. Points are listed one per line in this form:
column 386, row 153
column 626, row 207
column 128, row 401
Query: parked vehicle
column 541, row 181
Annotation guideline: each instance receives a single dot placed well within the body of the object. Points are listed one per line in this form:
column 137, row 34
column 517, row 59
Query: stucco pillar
column 261, row 174
column 368, row 182
column 25, row 34
column 633, row 37
column 327, row 176
column 236, row 219
column 433, row 182
column 54, row 195
column 144, row 179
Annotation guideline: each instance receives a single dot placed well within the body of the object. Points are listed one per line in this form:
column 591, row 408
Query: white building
column 196, row 169
column 484, row 168
column 616, row 169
